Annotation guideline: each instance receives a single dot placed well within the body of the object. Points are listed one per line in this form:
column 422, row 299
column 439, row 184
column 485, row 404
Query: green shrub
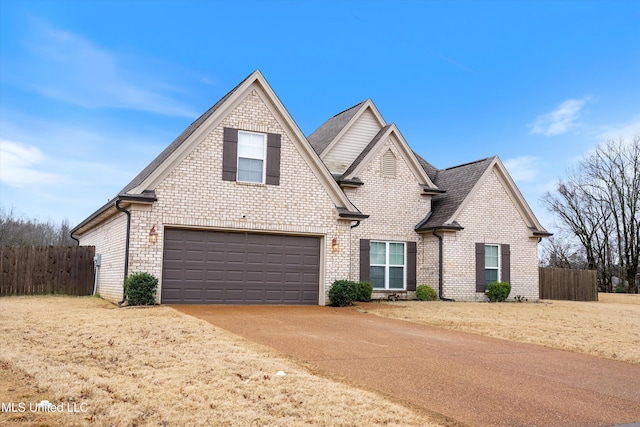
column 621, row 290
column 365, row 289
column 498, row 291
column 426, row 293
column 140, row 289
column 343, row 293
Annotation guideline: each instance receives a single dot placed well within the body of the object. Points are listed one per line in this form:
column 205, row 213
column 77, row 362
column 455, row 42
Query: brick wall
column 490, row 218
column 109, row 239
column 194, row 195
column 395, row 206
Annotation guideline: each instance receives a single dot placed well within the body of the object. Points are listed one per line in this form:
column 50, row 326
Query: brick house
column 243, row 208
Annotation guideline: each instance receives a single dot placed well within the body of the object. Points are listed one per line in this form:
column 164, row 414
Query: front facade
column 242, row 208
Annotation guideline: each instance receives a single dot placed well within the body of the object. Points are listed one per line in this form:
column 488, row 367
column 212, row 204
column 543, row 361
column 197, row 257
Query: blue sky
column 92, row 91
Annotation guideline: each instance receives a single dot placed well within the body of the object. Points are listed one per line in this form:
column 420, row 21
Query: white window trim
column 499, row 267
column 264, row 157
column 387, row 265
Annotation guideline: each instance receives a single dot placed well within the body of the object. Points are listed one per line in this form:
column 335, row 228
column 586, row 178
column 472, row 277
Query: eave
column 109, row 209
column 445, row 227
column 344, row 213
column 350, row 183
column 428, row 191
column 540, row 233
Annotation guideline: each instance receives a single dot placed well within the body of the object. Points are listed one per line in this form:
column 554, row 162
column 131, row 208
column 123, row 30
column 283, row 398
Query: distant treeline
column 24, row 231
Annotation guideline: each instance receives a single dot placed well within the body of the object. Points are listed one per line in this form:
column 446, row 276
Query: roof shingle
column 322, row 137
column 457, row 181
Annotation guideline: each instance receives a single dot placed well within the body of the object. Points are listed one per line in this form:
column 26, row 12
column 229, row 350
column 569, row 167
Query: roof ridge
column 350, row 108
column 467, row 164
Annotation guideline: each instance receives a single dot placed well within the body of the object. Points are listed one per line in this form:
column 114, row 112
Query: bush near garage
column 343, row 293
column 426, row 293
column 140, row 289
column 498, row 291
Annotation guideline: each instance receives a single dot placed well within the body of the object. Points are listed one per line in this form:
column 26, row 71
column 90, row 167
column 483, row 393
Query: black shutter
column 480, row 276
column 505, row 254
column 365, row 250
column 412, row 249
column 273, row 159
column 230, row 154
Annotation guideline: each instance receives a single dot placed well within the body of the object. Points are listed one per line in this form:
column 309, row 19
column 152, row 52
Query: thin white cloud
column 626, row 131
column 561, row 120
column 19, row 166
column 522, row 168
column 67, row 67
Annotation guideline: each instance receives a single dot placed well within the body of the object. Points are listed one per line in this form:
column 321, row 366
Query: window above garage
column 251, row 157
column 252, row 150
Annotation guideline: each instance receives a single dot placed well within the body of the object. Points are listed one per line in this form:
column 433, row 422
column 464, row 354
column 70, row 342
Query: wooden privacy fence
column 31, row 270
column 567, row 284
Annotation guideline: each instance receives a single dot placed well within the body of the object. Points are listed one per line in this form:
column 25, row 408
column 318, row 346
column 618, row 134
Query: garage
column 215, row 267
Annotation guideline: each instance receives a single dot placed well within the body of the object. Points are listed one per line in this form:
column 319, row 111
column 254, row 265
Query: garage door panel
column 213, row 295
column 253, row 277
column 239, row 268
column 234, row 277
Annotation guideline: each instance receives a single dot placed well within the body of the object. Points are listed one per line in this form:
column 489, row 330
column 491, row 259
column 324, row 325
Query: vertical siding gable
column 345, row 151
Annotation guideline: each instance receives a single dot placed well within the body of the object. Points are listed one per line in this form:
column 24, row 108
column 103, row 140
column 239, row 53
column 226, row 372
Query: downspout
column 126, row 249
column 74, row 238
column 350, row 239
column 440, row 269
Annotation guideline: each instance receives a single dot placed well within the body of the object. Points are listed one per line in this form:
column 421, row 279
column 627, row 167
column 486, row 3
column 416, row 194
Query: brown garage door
column 210, row 267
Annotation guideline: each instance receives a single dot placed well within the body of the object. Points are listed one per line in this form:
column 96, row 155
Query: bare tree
column 562, row 251
column 600, row 205
column 21, row 231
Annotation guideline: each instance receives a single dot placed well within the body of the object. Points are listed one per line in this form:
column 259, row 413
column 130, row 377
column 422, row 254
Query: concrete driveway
column 476, row 380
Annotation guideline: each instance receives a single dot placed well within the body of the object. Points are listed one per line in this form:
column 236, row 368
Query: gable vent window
column 389, row 164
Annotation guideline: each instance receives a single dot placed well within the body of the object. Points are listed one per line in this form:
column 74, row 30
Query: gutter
column 126, row 250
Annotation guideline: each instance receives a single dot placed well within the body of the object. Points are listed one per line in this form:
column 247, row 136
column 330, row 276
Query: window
column 491, row 264
column 251, row 156
column 387, row 265
column 243, row 156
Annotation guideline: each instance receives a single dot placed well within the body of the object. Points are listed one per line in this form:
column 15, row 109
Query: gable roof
column 366, row 151
column 140, row 189
column 171, row 148
column 457, row 181
column 375, row 145
column 330, row 133
column 322, row 137
column 460, row 182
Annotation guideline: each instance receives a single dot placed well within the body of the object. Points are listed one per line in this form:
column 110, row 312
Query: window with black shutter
column 251, row 157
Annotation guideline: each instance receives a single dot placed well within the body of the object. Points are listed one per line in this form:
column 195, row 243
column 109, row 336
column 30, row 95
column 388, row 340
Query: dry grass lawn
column 609, row 328
column 155, row 366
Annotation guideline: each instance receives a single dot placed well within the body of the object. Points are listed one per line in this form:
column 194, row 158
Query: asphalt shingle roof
column 326, row 133
column 155, row 163
column 457, row 181
column 428, row 168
